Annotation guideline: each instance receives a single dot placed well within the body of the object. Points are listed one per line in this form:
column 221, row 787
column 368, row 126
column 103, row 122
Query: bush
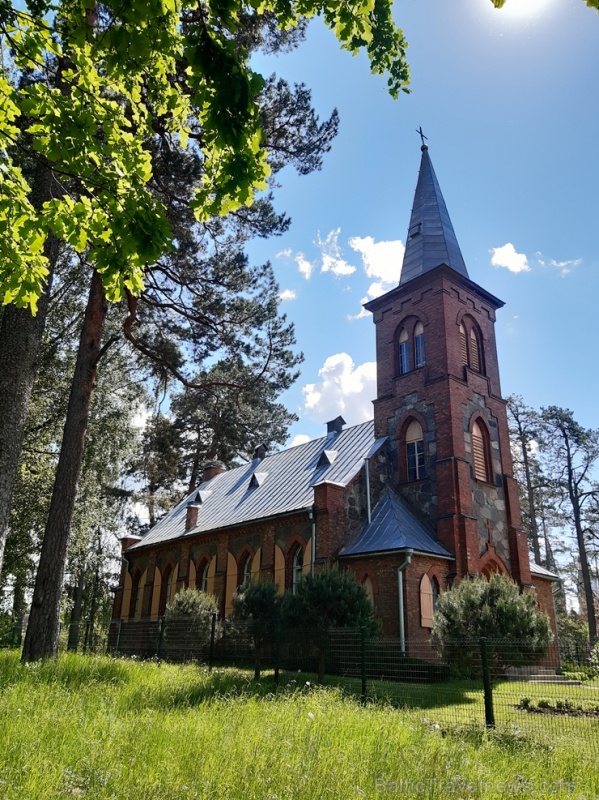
column 188, row 623
column 329, row 599
column 257, row 606
column 517, row 631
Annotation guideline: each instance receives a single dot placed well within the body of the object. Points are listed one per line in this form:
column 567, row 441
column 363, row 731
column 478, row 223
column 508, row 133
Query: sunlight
column 522, row 9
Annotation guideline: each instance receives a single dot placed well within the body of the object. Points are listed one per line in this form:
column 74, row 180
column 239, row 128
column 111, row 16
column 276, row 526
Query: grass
column 93, row 727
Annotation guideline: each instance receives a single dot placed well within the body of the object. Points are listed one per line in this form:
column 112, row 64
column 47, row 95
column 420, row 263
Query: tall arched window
column 415, row 451
column 419, row 350
column 244, row 574
column 463, row 345
column 480, row 459
column 202, row 578
column 474, row 351
column 136, row 595
column 297, row 568
column 166, row 588
column 404, row 352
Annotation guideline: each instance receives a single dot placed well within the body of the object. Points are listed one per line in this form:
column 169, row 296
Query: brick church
column 410, row 502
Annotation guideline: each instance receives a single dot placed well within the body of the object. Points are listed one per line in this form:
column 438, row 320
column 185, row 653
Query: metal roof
column 537, row 569
column 431, row 239
column 394, row 527
column 278, row 484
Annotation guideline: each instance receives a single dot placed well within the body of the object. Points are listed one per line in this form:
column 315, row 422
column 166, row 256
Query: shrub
column 257, row 606
column 330, row 599
column 517, row 631
column 188, row 622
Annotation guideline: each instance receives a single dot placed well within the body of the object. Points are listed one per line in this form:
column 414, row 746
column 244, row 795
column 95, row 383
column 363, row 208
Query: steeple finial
column 431, row 238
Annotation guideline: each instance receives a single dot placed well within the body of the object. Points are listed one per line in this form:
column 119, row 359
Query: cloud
column 140, row 417
column 381, row 260
column 286, row 253
column 304, row 266
column 287, row 294
column 564, row 267
column 332, row 260
column 343, row 388
column 507, row 257
column 299, row 438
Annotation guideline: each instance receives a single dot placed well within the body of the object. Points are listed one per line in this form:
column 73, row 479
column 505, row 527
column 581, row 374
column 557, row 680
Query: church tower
column 439, row 397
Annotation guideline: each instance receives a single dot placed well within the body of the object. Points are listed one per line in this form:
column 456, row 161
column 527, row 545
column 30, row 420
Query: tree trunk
column 73, row 640
column 41, row 639
column 532, row 506
column 20, row 345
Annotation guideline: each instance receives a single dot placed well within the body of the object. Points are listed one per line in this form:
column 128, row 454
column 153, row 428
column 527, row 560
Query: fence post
column 212, row 642
column 118, row 636
column 363, row 662
column 277, row 652
column 488, row 690
column 160, row 636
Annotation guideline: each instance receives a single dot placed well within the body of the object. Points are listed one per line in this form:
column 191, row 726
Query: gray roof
column 431, row 239
column 278, row 484
column 541, row 572
column 394, row 527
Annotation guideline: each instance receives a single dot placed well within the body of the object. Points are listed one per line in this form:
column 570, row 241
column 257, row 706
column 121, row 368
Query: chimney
column 212, row 469
column 335, row 426
column 128, row 541
column 260, row 452
column 191, row 517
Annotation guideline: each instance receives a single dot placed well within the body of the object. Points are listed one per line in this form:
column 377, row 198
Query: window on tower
column 419, row 351
column 404, row 352
column 470, row 345
column 480, row 451
column 415, row 452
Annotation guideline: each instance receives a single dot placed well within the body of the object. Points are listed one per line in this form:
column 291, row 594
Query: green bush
column 518, row 632
column 257, row 609
column 189, row 620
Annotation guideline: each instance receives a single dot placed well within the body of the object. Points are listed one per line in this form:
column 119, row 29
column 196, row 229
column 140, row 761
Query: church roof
column 431, row 239
column 394, row 527
column 277, row 484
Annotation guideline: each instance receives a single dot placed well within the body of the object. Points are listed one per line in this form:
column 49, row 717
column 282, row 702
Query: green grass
column 91, row 727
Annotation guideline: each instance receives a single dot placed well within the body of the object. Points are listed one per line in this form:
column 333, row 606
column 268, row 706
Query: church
column 410, row 502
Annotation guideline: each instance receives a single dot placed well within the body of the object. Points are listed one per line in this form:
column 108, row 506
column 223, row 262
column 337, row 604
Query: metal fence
column 484, row 689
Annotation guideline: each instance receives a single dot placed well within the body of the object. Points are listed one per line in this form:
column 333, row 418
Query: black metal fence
column 493, row 685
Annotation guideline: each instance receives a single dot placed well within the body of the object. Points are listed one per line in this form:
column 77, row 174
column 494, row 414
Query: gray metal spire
column 431, row 239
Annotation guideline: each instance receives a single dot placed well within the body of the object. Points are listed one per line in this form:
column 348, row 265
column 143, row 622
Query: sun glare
column 525, row 8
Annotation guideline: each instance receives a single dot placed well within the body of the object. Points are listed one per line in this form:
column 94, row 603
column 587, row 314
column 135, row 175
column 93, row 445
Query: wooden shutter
column 426, row 602
column 463, row 346
column 474, row 354
column 478, row 454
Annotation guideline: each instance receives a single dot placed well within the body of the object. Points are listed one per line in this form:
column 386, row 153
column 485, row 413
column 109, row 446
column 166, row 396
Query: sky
column 508, row 101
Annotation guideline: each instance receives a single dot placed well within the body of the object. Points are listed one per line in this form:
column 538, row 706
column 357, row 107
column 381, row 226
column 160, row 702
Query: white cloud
column 304, row 266
column 286, row 253
column 299, row 438
column 287, row 294
column 564, row 267
column 506, row 256
column 343, row 388
column 332, row 260
column 140, row 417
column 381, row 260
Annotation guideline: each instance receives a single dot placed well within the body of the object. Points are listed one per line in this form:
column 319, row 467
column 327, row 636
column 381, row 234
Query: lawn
column 94, row 727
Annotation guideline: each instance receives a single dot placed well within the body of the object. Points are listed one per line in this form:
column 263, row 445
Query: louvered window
column 404, row 352
column 419, row 351
column 474, row 352
column 479, row 454
column 426, row 602
column 463, row 346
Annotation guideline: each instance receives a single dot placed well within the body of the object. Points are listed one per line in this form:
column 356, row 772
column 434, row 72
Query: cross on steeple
column 422, row 136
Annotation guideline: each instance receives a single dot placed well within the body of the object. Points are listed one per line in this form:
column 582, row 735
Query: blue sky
column 508, row 101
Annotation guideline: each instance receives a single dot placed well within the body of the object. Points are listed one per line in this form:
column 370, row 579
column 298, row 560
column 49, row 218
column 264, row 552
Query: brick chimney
column 212, row 469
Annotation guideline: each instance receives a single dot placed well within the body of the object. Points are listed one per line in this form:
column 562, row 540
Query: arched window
column 297, row 568
column 427, row 608
column 463, row 346
column 415, row 452
column 136, row 595
column 367, row 584
column 244, row 573
column 419, row 350
column 202, row 576
column 474, row 351
column 480, row 459
column 404, row 352
column 166, row 588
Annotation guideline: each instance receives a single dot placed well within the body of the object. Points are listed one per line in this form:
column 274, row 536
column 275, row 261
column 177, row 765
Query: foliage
column 594, row 658
column 329, row 599
column 191, row 611
column 107, row 78
column 258, row 607
column 518, row 632
column 573, row 637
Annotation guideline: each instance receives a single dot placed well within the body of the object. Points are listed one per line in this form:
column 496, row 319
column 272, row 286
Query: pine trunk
column 20, row 345
column 41, row 639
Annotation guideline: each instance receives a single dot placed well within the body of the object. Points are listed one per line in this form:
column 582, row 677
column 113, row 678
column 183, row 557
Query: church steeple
column 431, row 239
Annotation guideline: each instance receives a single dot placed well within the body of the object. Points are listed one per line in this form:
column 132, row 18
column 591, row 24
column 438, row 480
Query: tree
column 518, row 632
column 329, row 599
column 85, row 91
column 572, row 453
column 258, row 607
column 190, row 616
